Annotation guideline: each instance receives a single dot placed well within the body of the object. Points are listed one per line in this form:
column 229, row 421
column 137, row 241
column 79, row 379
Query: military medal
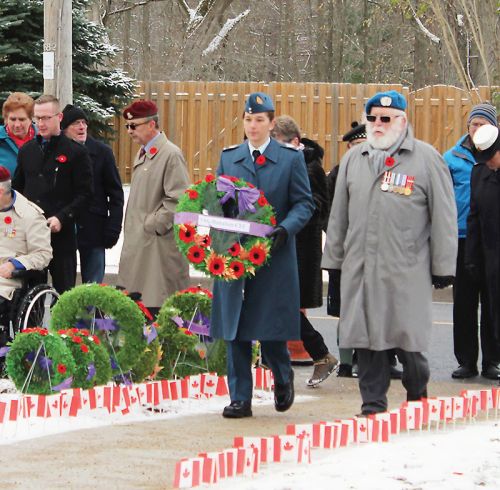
column 391, row 183
column 385, row 183
column 409, row 185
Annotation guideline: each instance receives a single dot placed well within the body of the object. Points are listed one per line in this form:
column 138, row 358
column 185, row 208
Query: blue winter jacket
column 460, row 162
column 8, row 150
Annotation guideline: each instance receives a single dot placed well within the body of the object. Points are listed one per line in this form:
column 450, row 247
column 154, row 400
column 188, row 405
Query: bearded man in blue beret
column 392, row 235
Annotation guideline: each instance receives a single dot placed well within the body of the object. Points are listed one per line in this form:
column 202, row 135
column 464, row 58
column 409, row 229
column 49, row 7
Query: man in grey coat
column 392, row 233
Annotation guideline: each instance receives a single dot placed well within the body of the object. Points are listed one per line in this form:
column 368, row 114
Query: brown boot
column 322, row 369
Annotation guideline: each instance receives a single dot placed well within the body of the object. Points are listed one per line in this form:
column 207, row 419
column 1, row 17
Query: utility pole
column 57, row 50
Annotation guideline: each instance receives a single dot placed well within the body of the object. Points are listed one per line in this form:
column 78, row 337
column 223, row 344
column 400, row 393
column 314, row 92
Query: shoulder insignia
column 229, row 148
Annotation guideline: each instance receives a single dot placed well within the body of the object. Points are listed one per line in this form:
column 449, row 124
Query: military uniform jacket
column 59, row 180
column 150, row 261
column 25, row 236
column 266, row 307
column 389, row 244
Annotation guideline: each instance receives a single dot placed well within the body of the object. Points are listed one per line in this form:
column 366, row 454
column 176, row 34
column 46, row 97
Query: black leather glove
column 441, row 282
column 279, row 236
column 333, row 299
column 110, row 239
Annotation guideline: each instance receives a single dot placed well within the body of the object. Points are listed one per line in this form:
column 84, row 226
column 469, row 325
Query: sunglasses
column 133, row 126
column 384, row 119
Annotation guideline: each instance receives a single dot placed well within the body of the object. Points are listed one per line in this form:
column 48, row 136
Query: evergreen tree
column 98, row 89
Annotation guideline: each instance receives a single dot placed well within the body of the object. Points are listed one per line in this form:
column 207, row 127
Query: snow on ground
column 461, row 458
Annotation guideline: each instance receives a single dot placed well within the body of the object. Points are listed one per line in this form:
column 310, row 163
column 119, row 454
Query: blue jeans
column 92, row 261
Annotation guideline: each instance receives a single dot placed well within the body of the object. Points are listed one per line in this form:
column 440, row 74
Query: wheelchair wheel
column 34, row 310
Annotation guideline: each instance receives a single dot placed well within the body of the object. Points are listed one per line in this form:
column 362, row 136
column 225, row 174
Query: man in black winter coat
column 482, row 245
column 54, row 172
column 99, row 225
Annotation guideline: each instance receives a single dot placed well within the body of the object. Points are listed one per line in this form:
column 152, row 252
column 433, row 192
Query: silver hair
column 6, row 186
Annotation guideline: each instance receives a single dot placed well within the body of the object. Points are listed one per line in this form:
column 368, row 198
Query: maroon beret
column 4, row 174
column 141, row 108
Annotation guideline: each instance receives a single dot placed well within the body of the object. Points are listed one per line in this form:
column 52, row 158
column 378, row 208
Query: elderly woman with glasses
column 392, row 232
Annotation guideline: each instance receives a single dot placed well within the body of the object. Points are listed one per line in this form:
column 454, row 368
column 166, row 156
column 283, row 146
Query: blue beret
column 259, row 102
column 391, row 98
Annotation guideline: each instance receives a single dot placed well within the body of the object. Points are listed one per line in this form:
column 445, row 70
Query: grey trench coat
column 388, row 245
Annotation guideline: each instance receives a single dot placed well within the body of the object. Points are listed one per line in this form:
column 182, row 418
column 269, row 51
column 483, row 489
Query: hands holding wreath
column 225, row 227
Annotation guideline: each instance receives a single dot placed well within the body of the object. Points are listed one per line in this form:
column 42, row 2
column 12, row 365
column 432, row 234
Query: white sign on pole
column 48, row 65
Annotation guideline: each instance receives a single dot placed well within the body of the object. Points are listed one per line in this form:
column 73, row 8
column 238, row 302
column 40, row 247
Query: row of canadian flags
column 119, row 399
column 248, row 453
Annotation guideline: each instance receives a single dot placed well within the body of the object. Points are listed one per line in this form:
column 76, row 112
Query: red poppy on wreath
column 153, row 150
column 209, row 178
column 187, row 233
column 61, row 332
column 216, row 265
column 84, row 348
column 85, row 332
column 198, row 182
column 234, row 250
column 7, row 220
column 257, row 254
column 389, row 161
column 62, row 158
column 196, row 255
column 77, row 340
column 61, row 368
column 96, row 339
column 203, row 240
column 231, row 178
column 192, row 193
column 262, row 201
column 43, row 331
column 237, row 268
column 260, row 160
column 272, row 220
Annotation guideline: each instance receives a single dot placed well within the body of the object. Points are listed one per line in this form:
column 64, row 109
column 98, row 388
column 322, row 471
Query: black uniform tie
column 255, row 154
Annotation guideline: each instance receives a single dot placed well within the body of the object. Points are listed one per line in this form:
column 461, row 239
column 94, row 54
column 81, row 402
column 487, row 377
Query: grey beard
column 384, row 142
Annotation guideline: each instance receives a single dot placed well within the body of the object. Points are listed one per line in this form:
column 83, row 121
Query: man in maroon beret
column 150, row 261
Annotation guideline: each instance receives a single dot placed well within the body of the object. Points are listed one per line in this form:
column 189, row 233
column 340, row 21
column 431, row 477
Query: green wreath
column 185, row 352
column 93, row 367
column 110, row 315
column 39, row 361
column 226, row 255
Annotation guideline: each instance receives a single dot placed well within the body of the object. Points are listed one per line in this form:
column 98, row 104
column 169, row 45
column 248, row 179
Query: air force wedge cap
column 391, row 98
column 258, row 102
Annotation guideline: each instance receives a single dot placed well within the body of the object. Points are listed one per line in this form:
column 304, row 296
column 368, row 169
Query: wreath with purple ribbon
column 221, row 226
column 113, row 317
column 38, row 362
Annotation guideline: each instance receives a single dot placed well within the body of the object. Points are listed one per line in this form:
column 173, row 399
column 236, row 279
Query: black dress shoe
column 284, row 395
column 238, row 410
column 395, row 372
column 345, row 371
column 464, row 372
column 491, row 372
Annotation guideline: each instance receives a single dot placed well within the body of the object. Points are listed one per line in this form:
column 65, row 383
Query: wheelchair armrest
column 29, row 275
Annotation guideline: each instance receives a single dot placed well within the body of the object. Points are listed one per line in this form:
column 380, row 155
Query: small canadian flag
column 195, row 386
column 363, row 427
column 395, row 418
column 247, row 462
column 446, row 408
column 315, row 432
column 459, row 407
column 268, row 450
column 209, row 384
column 188, row 473
column 432, row 411
column 379, row 427
column 414, row 414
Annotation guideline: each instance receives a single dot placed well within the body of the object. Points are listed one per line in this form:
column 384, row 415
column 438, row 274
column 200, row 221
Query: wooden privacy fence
column 204, row 117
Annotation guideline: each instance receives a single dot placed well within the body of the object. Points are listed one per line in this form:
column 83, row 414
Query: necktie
column 255, row 154
column 142, row 152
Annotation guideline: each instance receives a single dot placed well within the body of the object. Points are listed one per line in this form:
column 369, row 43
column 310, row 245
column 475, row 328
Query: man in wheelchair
column 24, row 248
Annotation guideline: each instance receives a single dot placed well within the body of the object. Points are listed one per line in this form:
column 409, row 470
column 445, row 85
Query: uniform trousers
column 375, row 377
column 239, row 365
column 466, row 295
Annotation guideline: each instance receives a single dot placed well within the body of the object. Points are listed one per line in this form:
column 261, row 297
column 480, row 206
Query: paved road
column 441, row 358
